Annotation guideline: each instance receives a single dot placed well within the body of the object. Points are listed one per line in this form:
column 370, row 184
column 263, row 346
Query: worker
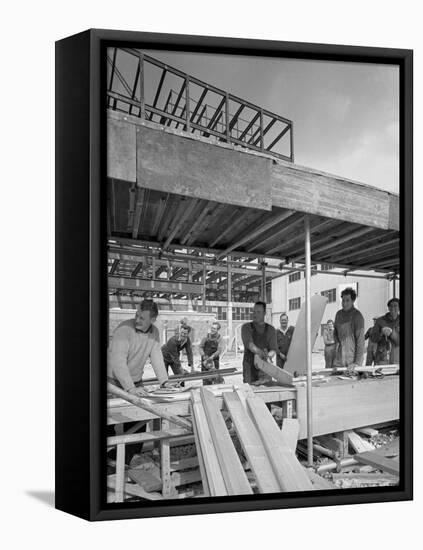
column 283, row 337
column 259, row 338
column 372, row 337
column 174, row 346
column 330, row 344
column 387, row 330
column 349, row 333
column 135, row 341
column 211, row 347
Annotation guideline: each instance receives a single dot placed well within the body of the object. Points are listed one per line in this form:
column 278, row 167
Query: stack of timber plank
column 270, row 452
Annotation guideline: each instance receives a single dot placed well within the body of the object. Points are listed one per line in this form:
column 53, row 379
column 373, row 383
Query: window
column 294, row 276
column 221, row 313
column 325, row 267
column 330, row 294
column 242, row 313
column 294, row 303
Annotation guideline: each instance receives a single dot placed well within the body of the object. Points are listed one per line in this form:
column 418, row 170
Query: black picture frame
column 81, row 274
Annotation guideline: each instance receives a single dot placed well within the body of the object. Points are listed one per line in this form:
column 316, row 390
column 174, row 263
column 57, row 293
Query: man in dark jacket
column 211, row 347
column 387, row 330
column 283, row 336
column 349, row 333
column 174, row 346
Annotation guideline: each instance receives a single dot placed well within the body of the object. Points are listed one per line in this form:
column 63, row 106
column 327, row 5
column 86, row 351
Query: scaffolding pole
column 307, row 253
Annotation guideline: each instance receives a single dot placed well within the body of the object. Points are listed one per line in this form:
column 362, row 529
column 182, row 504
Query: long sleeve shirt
column 129, row 351
column 349, row 334
column 173, row 347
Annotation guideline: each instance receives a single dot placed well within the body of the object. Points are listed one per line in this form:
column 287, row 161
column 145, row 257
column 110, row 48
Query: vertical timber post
column 307, row 254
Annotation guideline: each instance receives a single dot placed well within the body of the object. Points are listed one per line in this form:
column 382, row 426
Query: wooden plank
column 148, row 406
column 344, row 405
column 204, row 480
column 184, row 478
column 287, row 408
column 378, row 461
column 252, row 445
column 183, row 464
column 308, row 190
column 121, row 149
column 212, row 468
column 165, row 463
column 357, row 443
column 177, row 164
column 296, row 361
column 120, row 472
column 290, row 474
column 132, row 489
column 144, row 437
column 290, row 431
column 233, row 473
column 280, row 375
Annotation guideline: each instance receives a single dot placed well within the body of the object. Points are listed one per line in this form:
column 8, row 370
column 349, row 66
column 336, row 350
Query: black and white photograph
column 253, row 276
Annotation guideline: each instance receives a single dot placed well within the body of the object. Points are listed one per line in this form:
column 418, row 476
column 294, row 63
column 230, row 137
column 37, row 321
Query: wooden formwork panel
column 344, row 405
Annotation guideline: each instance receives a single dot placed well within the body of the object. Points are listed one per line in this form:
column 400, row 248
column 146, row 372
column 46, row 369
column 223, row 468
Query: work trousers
column 330, row 353
column 371, row 354
column 176, row 369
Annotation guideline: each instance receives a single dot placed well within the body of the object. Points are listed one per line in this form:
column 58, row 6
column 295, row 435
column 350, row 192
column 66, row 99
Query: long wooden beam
column 147, row 406
column 235, row 175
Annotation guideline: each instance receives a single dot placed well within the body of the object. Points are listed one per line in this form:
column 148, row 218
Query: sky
column 346, row 115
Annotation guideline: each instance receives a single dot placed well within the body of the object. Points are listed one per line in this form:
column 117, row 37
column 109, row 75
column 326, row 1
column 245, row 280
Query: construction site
column 206, row 209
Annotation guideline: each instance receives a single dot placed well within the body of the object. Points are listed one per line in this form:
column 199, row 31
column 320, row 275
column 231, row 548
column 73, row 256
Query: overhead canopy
column 169, row 189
